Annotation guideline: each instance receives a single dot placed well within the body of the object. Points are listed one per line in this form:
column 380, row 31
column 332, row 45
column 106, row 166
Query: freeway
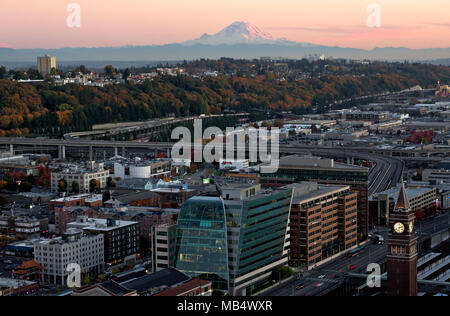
column 386, row 172
column 43, row 141
column 127, row 127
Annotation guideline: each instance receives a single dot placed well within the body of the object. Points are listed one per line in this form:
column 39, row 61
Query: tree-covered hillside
column 47, row 109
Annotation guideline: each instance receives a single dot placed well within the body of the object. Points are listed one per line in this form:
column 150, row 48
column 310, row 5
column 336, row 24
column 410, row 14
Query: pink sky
column 42, row 23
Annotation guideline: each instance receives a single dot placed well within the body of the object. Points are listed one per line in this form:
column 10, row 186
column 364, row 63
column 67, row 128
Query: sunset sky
column 42, row 23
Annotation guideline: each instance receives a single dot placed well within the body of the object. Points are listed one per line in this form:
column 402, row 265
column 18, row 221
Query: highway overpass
column 385, row 173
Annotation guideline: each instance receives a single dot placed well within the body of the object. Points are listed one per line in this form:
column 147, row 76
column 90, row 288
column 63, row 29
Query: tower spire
column 402, row 200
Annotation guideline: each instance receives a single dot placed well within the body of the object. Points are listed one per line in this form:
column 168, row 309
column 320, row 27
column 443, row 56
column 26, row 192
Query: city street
column 334, row 272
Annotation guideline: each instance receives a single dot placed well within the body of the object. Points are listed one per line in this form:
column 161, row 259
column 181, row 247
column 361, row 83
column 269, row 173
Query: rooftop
column 12, row 283
column 143, row 282
column 296, row 161
column 87, row 197
column 184, row 288
column 309, row 190
column 99, row 224
column 410, row 192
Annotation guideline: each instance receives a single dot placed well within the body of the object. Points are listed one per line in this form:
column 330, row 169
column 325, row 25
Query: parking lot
column 8, row 263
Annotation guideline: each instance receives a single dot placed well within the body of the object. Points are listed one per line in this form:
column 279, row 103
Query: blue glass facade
column 201, row 241
column 234, row 242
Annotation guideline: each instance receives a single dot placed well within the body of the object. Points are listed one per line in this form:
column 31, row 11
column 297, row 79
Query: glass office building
column 201, row 241
column 235, row 239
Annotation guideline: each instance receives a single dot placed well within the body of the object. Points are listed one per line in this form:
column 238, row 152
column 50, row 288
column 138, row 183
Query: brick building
column 91, row 200
column 323, row 222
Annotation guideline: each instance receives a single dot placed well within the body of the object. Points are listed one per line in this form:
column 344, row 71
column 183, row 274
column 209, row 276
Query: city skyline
column 224, row 149
column 114, row 23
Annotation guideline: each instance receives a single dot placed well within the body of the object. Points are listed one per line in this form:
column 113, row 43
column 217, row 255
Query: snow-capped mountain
column 238, row 33
column 238, row 40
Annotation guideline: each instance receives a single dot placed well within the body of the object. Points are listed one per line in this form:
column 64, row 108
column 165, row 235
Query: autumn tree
column 82, row 69
column 110, row 183
column 109, row 71
column 94, row 186
column 62, row 185
column 279, row 123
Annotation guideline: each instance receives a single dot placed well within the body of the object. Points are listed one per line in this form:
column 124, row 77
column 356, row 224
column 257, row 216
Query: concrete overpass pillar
column 11, row 149
column 62, row 152
column 91, row 153
column 116, row 151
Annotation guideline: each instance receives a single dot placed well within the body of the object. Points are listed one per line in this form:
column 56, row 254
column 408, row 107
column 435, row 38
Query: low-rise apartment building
column 54, row 255
column 121, row 238
column 80, row 174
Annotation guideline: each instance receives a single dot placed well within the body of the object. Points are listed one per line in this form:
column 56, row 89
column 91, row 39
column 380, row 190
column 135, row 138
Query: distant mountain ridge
column 238, row 40
column 239, row 33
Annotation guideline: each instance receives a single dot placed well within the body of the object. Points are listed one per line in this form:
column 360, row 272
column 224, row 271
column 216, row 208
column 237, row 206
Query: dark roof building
column 149, row 284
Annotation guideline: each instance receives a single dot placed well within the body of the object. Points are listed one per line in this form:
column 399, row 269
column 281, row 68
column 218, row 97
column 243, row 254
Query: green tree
column 3, row 200
column 126, row 74
column 3, row 72
column 31, row 179
column 25, row 186
column 75, row 187
column 281, row 273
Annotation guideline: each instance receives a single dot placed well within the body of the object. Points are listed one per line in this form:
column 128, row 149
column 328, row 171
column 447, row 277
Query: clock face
column 399, row 228
column 411, row 227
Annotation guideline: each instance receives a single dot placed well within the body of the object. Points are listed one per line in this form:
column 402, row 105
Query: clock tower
column 402, row 249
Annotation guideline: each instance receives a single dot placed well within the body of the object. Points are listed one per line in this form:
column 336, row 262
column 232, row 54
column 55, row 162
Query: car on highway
column 322, row 276
column 299, row 287
column 318, row 284
column 352, row 268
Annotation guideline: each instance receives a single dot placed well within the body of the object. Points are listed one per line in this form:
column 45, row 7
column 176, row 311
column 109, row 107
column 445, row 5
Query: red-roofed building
column 28, row 270
column 194, row 287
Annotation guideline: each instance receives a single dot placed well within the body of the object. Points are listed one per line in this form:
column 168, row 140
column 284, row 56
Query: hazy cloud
column 447, row 25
